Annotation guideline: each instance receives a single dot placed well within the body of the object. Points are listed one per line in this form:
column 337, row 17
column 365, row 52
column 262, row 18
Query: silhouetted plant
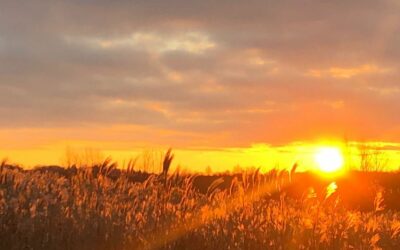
column 168, row 157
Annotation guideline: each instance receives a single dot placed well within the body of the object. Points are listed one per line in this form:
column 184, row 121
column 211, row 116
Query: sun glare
column 329, row 159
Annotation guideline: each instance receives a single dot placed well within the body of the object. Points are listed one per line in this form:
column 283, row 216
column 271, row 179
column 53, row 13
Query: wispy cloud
column 349, row 72
column 190, row 42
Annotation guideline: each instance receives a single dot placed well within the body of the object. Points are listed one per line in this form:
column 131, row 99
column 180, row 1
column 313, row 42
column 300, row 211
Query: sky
column 214, row 80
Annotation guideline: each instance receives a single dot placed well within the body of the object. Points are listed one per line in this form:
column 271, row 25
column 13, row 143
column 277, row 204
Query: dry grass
column 90, row 208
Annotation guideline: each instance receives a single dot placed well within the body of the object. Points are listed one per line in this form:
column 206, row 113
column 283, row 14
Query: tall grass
column 102, row 207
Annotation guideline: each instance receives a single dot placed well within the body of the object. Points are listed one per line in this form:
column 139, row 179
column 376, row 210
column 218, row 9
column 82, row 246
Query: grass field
column 103, row 207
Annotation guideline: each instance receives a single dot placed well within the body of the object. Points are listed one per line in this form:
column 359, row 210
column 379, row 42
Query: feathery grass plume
column 256, row 178
column 168, row 157
column 214, row 186
column 330, row 189
column 379, row 200
column 130, row 168
column 3, row 164
column 293, row 171
column 234, row 186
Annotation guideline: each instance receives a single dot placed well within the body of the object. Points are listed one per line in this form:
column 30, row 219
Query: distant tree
column 151, row 160
column 82, row 157
column 372, row 158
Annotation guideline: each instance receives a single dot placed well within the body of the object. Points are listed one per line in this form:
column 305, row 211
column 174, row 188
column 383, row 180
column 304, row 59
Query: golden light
column 331, row 189
column 329, row 159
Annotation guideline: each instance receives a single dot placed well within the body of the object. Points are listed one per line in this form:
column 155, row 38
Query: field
column 104, row 207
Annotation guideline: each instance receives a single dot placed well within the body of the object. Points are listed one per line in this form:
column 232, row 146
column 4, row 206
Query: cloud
column 190, row 42
column 339, row 72
column 264, row 71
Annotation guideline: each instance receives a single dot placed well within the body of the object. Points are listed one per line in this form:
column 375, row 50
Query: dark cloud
column 273, row 71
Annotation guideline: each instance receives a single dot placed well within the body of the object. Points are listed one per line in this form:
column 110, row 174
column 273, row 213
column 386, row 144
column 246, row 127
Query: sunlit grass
column 101, row 207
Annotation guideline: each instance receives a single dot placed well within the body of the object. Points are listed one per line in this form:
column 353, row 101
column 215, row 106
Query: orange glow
column 348, row 72
column 48, row 147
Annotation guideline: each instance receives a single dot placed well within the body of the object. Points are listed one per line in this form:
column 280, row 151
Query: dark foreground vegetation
column 103, row 207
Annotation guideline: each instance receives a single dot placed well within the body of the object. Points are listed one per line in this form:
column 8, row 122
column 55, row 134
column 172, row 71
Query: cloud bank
column 226, row 73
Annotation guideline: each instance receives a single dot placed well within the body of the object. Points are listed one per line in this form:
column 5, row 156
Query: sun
column 329, row 159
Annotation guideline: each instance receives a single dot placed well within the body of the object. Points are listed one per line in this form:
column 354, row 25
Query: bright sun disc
column 329, row 159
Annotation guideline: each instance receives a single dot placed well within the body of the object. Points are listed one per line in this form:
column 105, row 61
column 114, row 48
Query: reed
column 104, row 207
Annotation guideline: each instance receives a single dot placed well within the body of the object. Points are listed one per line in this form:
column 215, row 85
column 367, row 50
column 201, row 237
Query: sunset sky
column 254, row 83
